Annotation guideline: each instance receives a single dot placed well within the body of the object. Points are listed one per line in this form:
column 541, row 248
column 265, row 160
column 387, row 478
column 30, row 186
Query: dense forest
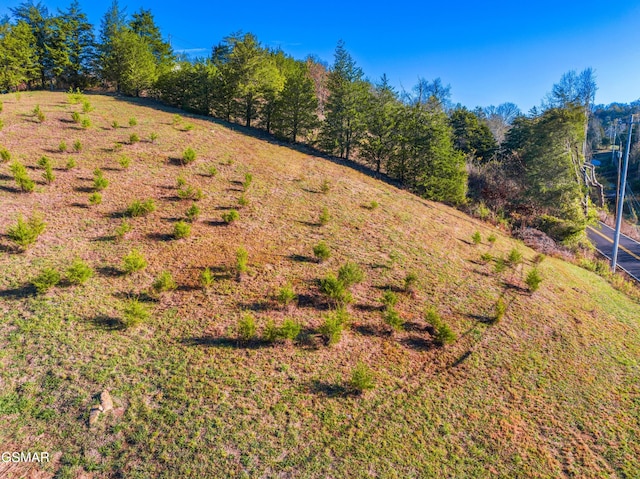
column 515, row 168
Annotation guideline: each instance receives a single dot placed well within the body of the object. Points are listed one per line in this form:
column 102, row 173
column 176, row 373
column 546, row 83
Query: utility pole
column 616, row 154
column 623, row 181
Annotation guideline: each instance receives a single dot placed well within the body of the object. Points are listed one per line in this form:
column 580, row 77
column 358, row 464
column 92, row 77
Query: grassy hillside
column 550, row 390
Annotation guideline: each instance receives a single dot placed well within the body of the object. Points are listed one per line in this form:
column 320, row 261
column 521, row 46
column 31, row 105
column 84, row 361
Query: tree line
column 524, row 167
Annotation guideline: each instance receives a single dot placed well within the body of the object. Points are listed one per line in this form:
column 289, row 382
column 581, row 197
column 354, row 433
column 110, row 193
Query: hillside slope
column 551, row 390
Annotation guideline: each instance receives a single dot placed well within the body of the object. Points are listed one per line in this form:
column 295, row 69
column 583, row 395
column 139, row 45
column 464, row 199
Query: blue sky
column 489, row 52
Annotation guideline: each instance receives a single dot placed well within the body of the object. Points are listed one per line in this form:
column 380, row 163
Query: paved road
column 628, row 252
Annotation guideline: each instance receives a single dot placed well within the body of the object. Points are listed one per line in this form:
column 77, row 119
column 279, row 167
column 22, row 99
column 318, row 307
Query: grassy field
column 550, row 390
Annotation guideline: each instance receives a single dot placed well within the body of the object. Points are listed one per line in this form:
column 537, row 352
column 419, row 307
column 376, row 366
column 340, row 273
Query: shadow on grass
column 257, row 306
column 10, row 189
column 514, row 287
column 10, row 248
column 390, row 287
column 6, row 177
column 369, row 307
column 108, row 323
column 311, row 191
column 309, row 223
column 302, row 258
column 80, row 205
column 461, row 359
column 418, row 343
column 25, row 291
column 84, row 189
column 142, row 297
column 482, row 273
column 103, row 239
column 482, row 318
column 172, row 198
column 216, row 223
column 116, row 215
column 467, row 242
column 327, row 389
column 175, row 161
column 109, row 271
column 160, row 236
column 311, row 301
column 188, row 288
column 370, row 330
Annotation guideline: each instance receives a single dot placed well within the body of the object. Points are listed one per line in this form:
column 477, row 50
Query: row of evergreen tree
column 524, row 164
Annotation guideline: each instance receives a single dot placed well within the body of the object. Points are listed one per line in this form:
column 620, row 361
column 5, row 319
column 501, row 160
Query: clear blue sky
column 489, row 52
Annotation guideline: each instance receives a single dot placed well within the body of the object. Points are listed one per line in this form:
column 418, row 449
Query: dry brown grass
column 546, row 392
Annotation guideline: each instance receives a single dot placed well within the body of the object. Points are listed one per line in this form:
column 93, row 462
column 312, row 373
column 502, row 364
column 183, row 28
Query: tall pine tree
column 18, row 60
column 380, row 139
column 297, row 104
column 344, row 123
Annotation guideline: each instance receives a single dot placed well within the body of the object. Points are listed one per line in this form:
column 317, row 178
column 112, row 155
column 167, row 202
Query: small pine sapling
column 25, row 233
column 181, row 230
column 324, row 216
column 163, row 283
column 410, row 282
column 46, row 280
column 393, row 319
column 124, row 161
column 242, row 259
column 134, row 313
column 246, row 328
column 349, row 274
column 443, row 333
column 533, row 280
column 122, row 230
column 133, row 261
column 79, row 272
column 95, row 198
column 192, row 213
column 361, row 378
column 230, row 216
column 321, row 251
column 188, row 156
column 286, row 295
column 206, row 278
column 501, row 309
column 5, row 155
column 248, row 179
column 99, row 181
